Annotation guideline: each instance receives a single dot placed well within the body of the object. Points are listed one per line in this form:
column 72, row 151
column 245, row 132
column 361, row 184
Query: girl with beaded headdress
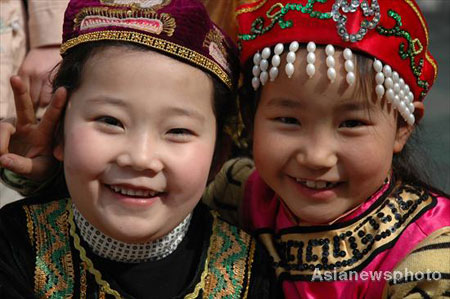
column 332, row 92
column 149, row 87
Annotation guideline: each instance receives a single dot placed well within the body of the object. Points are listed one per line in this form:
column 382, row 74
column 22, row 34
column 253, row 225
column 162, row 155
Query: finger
column 35, row 169
column 52, row 115
column 6, row 130
column 22, row 100
column 25, row 78
column 45, row 95
column 18, row 164
column 35, row 90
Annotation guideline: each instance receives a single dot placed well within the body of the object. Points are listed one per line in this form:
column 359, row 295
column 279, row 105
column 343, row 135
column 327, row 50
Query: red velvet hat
column 179, row 28
column 394, row 32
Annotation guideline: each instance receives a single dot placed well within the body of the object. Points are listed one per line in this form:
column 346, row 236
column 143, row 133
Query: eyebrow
column 183, row 111
column 284, row 103
column 177, row 111
column 107, row 100
column 353, row 106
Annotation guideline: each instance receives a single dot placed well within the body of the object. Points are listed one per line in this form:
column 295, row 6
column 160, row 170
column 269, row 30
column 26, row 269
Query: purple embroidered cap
column 180, row 28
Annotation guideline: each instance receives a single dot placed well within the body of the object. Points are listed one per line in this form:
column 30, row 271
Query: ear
column 58, row 151
column 404, row 130
column 419, row 110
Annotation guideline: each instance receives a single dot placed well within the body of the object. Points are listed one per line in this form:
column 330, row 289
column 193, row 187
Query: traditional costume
column 53, row 252
column 396, row 243
column 49, row 250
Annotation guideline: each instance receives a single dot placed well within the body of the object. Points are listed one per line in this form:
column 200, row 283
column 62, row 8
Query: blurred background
column 436, row 123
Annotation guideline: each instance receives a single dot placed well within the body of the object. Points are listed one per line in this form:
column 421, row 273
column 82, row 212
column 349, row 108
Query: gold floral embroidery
column 145, row 20
column 54, row 273
column 229, row 246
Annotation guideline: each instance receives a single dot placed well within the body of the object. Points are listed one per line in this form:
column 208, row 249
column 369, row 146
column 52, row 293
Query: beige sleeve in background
column 42, row 28
column 225, row 193
column 426, row 269
column 45, row 21
column 13, row 47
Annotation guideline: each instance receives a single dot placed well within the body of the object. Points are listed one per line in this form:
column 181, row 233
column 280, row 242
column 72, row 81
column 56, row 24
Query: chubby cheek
column 189, row 171
column 270, row 153
column 367, row 168
column 83, row 153
column 84, row 163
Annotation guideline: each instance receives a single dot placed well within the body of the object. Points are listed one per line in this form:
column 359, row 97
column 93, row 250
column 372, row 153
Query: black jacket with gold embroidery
column 38, row 258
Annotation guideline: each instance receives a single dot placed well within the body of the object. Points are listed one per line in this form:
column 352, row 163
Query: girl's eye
column 180, row 135
column 288, row 120
column 352, row 124
column 110, row 121
column 180, row 131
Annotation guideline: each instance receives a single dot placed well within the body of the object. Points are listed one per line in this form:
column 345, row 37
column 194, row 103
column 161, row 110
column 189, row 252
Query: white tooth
column 140, row 193
column 130, row 192
column 310, row 184
column 321, row 185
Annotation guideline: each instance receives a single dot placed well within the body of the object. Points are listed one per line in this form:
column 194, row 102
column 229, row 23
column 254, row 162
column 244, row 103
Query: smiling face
column 323, row 147
column 139, row 137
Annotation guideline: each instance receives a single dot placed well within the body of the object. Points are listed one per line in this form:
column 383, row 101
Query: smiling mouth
column 317, row 185
column 137, row 193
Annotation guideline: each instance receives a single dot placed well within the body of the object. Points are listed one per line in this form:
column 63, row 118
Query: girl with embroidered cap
column 149, row 87
column 332, row 92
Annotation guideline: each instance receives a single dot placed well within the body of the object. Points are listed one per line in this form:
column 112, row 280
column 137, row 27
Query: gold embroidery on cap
column 425, row 29
column 214, row 41
column 250, row 9
column 417, row 46
column 152, row 4
column 145, row 20
column 152, row 42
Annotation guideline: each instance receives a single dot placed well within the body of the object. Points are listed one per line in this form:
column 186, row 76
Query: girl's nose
column 141, row 155
column 317, row 154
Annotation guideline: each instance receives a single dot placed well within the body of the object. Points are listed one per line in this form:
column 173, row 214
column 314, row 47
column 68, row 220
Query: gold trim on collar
column 104, row 285
column 301, row 251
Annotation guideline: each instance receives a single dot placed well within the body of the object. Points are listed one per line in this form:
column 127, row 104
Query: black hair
column 69, row 75
column 411, row 165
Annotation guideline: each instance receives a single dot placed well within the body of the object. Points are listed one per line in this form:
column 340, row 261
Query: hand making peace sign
column 26, row 147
